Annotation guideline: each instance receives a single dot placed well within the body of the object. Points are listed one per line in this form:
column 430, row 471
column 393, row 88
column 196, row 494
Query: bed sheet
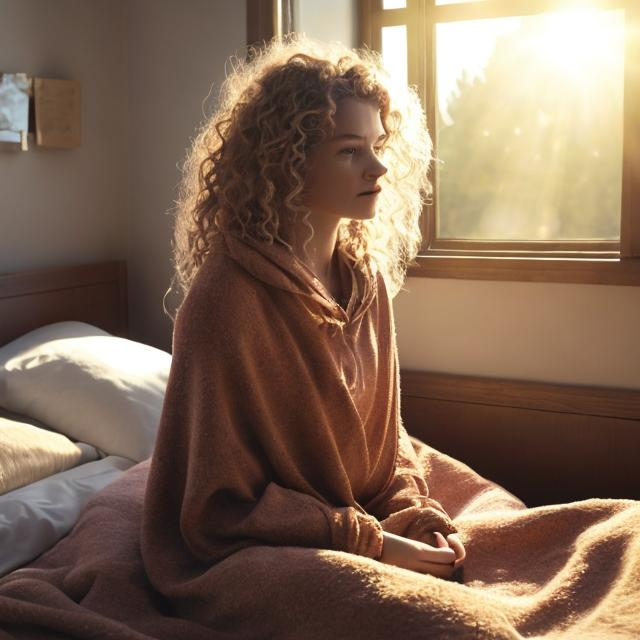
column 34, row 517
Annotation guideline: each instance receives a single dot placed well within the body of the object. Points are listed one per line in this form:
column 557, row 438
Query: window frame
column 575, row 261
column 267, row 19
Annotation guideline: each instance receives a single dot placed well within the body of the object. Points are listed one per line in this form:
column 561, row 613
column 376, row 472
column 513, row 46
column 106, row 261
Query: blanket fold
column 558, row 572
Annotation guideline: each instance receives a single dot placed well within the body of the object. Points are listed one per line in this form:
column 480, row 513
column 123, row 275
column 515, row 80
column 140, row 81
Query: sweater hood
column 277, row 265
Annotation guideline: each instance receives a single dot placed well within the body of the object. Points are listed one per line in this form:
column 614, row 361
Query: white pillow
column 88, row 385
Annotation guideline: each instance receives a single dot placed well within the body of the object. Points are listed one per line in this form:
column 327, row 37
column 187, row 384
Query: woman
column 281, row 424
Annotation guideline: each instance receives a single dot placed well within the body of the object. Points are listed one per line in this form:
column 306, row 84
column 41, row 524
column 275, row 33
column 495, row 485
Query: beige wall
column 57, row 206
column 561, row 333
column 177, row 54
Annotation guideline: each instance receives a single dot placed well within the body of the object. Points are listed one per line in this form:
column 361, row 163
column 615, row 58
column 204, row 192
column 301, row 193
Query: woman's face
column 342, row 168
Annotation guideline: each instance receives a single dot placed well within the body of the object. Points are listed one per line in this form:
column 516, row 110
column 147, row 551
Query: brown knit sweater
column 281, row 421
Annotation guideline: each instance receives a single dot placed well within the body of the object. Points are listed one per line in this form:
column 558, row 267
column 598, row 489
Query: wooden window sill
column 625, row 271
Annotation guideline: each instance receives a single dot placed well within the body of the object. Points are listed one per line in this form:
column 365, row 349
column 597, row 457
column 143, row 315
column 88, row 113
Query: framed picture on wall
column 15, row 89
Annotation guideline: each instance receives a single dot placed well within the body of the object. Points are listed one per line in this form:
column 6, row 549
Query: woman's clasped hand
column 440, row 560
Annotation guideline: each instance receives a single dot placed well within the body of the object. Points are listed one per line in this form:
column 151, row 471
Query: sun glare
column 569, row 43
column 573, row 40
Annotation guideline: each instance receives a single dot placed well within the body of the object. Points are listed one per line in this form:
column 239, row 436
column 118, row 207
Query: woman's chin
column 362, row 214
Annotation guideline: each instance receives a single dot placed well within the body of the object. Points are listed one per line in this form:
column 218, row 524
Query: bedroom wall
column 549, row 332
column 177, row 54
column 59, row 206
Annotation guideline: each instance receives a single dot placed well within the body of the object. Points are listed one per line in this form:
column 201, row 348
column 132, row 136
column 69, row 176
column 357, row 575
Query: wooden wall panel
column 542, row 455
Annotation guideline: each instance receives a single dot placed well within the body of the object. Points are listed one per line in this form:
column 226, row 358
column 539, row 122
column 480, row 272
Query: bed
column 69, row 536
column 66, row 428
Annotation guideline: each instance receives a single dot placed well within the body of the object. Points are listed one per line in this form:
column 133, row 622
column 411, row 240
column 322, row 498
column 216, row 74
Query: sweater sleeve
column 281, row 516
column 404, row 507
column 226, row 439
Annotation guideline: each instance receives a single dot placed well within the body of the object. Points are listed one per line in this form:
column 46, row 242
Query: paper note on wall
column 57, row 111
column 14, row 107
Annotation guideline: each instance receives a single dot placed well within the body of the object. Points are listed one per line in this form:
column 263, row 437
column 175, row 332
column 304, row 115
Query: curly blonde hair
column 246, row 168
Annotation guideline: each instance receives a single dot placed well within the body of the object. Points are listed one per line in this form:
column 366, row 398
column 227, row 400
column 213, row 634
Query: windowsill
column 624, row 271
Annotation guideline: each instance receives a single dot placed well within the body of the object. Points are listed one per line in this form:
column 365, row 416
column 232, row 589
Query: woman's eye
column 352, row 150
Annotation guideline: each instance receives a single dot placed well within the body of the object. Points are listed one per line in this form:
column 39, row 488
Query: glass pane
column 529, row 126
column 394, row 52
column 394, row 4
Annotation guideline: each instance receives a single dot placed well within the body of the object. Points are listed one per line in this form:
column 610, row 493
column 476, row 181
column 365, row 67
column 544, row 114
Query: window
column 534, row 110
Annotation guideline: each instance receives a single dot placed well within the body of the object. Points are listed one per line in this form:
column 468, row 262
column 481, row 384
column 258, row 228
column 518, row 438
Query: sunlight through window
column 529, row 126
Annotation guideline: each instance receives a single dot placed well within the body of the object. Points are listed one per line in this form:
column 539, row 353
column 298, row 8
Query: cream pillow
column 28, row 453
column 88, row 385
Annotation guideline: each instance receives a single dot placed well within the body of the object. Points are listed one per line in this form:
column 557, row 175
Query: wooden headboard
column 94, row 293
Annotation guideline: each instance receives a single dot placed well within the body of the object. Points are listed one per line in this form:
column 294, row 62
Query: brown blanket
column 560, row 571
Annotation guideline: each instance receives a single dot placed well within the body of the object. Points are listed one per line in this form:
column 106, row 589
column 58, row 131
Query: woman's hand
column 440, row 560
column 453, row 540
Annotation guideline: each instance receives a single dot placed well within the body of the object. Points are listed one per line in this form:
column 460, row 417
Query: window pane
column 394, row 4
column 529, row 126
column 394, row 52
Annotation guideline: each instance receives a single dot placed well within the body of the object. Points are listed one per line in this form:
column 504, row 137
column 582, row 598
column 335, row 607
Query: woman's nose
column 376, row 169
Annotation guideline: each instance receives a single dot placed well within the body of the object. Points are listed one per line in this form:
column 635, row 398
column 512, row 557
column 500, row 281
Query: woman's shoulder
column 221, row 293
column 222, row 278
